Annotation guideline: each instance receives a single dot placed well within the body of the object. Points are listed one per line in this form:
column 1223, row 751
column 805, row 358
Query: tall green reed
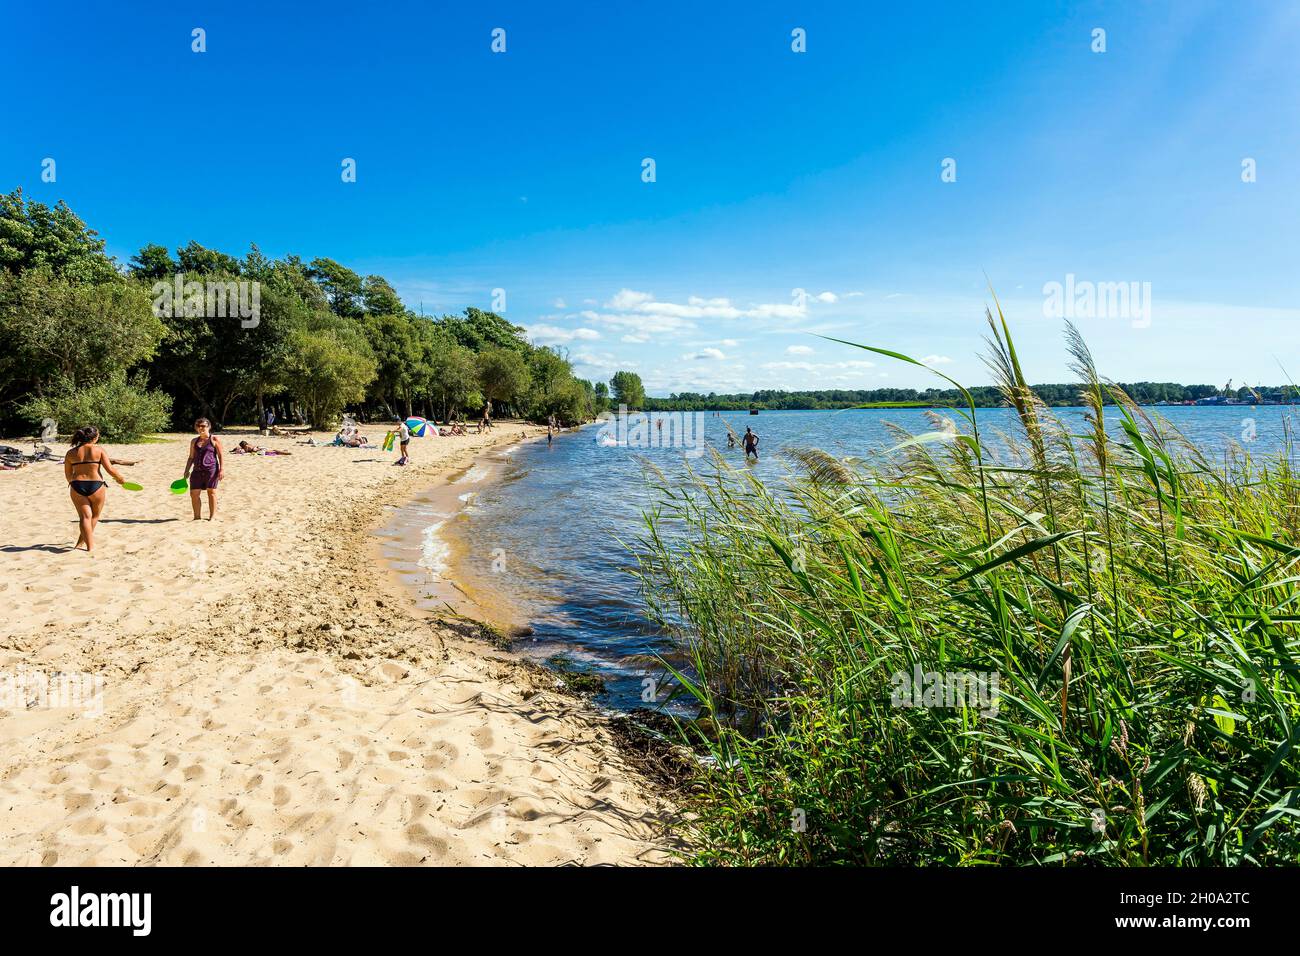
column 1137, row 605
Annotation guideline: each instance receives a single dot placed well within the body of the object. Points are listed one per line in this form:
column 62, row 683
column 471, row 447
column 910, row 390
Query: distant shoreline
column 670, row 406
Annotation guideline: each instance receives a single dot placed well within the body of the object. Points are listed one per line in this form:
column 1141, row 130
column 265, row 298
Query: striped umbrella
column 418, row 426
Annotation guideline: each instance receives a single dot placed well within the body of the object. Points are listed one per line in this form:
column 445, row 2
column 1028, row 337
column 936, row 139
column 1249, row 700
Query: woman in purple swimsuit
column 82, row 469
column 204, row 468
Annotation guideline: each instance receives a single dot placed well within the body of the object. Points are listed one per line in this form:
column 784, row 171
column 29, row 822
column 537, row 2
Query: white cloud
column 828, row 297
column 559, row 304
column 713, row 354
column 554, row 335
column 818, row 366
column 602, row 362
column 641, row 325
column 936, row 360
column 627, row 299
column 799, row 350
column 697, row 307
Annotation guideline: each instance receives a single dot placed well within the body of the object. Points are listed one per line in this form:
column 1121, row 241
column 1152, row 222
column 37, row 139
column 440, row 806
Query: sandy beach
column 257, row 690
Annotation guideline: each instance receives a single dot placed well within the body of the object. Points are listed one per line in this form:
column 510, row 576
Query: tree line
column 85, row 340
column 986, row 396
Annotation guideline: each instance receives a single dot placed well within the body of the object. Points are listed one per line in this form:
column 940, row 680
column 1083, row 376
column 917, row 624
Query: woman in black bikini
column 204, row 468
column 86, row 487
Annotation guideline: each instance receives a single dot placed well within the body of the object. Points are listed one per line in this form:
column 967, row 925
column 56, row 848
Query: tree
column 342, row 286
column 34, row 236
column 453, row 380
column 479, row 331
column 394, row 344
column 601, row 393
column 549, row 373
column 53, row 329
column 264, row 351
column 193, row 257
column 573, row 402
column 502, row 376
column 380, row 298
column 152, row 263
column 329, row 369
column 627, row 389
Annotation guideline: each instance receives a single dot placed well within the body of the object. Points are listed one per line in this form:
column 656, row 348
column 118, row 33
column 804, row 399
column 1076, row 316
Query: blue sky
column 775, row 171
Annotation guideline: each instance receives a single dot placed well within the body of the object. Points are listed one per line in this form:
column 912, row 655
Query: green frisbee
column 179, row 486
column 132, row 486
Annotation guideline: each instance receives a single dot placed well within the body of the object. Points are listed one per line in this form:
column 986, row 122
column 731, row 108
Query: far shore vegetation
column 985, row 396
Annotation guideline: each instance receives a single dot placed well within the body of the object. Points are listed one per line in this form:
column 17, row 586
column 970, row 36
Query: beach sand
column 256, row 689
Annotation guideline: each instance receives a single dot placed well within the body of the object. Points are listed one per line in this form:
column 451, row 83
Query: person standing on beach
column 550, row 434
column 751, row 444
column 404, row 439
column 204, row 468
column 82, row 470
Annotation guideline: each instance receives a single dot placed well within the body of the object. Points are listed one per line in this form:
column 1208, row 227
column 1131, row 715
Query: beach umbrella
column 418, row 426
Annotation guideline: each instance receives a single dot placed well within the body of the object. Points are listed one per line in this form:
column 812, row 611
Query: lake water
column 540, row 540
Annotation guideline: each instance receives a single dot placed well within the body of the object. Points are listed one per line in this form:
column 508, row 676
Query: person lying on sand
column 244, row 448
column 83, row 468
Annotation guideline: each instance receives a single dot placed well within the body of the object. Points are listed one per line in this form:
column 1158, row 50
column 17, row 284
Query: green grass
column 1137, row 604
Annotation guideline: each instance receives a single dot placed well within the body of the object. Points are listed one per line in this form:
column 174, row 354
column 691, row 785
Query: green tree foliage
column 124, row 410
column 194, row 258
column 34, row 236
column 152, row 263
column 478, row 330
column 503, row 376
column 330, row 368
column 379, row 298
column 54, row 329
column 341, row 286
column 397, row 352
column 453, row 379
column 627, row 390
